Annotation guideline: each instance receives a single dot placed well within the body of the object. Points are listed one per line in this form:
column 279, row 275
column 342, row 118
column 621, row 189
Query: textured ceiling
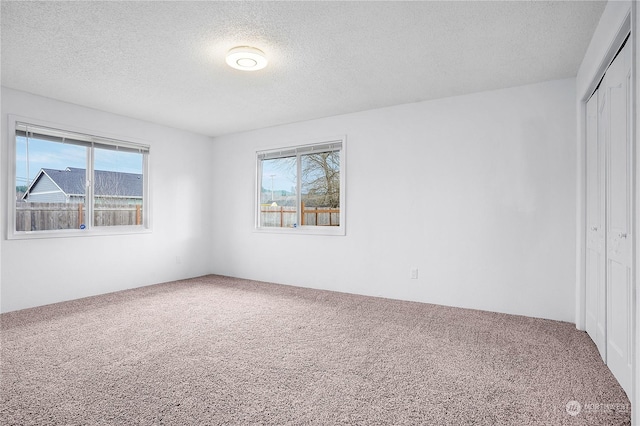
column 164, row 61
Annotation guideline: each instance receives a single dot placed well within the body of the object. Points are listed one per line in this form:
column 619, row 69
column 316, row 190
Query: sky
column 54, row 155
column 280, row 171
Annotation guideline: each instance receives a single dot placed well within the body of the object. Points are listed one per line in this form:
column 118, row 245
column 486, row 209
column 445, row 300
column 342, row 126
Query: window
column 71, row 183
column 301, row 189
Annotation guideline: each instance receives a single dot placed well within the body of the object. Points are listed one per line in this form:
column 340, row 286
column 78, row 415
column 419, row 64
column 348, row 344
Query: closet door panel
column 618, row 324
column 618, row 219
column 595, row 247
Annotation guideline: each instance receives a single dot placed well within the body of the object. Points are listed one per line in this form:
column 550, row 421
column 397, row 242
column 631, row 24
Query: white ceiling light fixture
column 246, row 58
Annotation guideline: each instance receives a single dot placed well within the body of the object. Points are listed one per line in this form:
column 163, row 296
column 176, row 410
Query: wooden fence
column 49, row 216
column 286, row 216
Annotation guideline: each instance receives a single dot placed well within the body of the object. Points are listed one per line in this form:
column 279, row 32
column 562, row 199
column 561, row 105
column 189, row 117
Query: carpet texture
column 217, row 350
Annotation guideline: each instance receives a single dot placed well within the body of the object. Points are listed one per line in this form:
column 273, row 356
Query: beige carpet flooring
column 224, row 351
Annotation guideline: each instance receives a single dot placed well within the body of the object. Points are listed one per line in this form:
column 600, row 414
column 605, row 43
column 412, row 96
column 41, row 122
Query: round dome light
column 246, row 58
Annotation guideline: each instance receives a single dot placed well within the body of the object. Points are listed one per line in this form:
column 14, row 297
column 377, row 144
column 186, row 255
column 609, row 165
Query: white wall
column 477, row 191
column 42, row 271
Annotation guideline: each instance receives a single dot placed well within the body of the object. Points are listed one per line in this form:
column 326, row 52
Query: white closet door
column 619, row 219
column 595, row 220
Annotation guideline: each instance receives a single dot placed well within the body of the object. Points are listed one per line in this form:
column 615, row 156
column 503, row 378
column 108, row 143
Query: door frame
column 628, row 24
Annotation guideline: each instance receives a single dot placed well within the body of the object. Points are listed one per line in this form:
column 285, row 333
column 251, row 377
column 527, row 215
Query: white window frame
column 98, row 138
column 301, row 149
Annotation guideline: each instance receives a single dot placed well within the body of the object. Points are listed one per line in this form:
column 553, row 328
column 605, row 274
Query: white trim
column 75, row 233
column 635, row 129
column 11, row 177
column 91, row 230
column 80, row 138
column 581, row 172
column 297, row 150
column 47, row 192
column 607, row 59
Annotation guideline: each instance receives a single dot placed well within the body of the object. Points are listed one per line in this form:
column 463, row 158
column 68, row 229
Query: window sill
column 75, row 233
column 303, row 230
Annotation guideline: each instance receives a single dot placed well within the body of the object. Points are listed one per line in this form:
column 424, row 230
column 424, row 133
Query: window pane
column 278, row 192
column 314, row 173
column 50, row 185
column 320, row 189
column 118, row 184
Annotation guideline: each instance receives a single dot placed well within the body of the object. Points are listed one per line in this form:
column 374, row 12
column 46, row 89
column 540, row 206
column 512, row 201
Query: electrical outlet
column 178, row 260
column 413, row 273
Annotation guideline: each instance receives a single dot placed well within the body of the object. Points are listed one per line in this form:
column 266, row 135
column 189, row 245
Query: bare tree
column 321, row 179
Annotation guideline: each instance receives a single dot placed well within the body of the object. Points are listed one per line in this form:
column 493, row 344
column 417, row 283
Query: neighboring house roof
column 72, row 181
